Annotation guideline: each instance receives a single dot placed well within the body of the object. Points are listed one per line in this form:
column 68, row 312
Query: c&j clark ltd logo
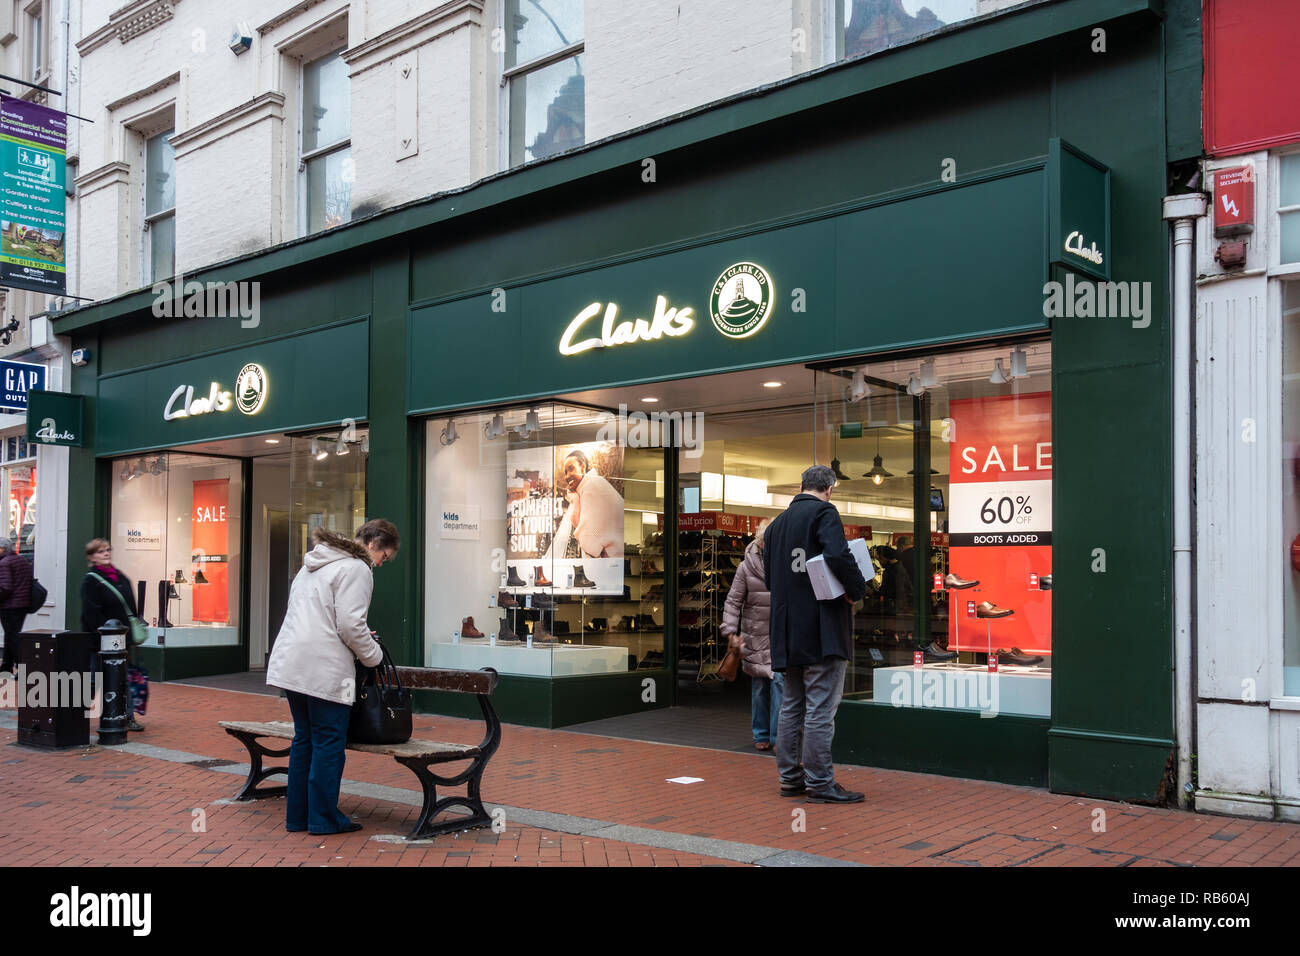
column 742, row 300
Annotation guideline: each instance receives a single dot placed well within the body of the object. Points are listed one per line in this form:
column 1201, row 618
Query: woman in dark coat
column 745, row 620
column 101, row 602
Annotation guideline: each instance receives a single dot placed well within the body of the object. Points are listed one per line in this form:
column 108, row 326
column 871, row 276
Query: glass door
column 327, row 485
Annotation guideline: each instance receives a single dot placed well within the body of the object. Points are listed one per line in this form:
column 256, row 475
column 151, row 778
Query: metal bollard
column 116, row 713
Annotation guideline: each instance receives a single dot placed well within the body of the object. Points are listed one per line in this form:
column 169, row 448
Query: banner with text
column 211, row 559
column 32, row 217
column 1000, row 520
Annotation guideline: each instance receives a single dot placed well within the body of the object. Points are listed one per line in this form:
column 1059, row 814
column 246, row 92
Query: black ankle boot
column 514, row 580
column 580, row 579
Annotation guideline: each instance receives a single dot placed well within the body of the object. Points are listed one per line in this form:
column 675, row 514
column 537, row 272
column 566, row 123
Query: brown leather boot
column 539, row 578
column 467, row 628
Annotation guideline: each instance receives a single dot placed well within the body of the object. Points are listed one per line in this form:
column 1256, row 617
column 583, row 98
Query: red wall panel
column 1252, row 72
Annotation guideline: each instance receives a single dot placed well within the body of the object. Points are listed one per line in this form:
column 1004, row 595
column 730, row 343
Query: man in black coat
column 812, row 640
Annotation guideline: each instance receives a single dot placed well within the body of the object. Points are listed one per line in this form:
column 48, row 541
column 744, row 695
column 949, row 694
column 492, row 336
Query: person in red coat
column 15, row 598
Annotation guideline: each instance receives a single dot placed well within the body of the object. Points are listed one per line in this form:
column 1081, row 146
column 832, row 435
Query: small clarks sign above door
column 740, row 302
column 1074, row 245
column 248, row 396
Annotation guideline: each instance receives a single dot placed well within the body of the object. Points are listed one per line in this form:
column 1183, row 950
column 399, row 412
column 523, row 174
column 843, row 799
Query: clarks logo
column 249, row 396
column 1074, row 246
column 666, row 321
column 50, row 432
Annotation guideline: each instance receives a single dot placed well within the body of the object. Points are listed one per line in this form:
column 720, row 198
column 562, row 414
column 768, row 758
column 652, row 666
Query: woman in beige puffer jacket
column 745, row 621
column 313, row 660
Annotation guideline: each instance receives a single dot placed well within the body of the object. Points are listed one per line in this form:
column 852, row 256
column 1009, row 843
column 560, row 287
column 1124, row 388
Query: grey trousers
column 807, row 726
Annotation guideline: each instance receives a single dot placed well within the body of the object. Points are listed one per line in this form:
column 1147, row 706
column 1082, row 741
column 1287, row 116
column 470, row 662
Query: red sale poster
column 1000, row 522
column 210, row 557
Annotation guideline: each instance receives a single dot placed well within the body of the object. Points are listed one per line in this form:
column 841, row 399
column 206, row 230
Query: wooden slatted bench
column 417, row 755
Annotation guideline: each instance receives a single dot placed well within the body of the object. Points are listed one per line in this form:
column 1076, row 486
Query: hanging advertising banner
column 1000, row 522
column 564, row 518
column 210, row 557
column 32, row 217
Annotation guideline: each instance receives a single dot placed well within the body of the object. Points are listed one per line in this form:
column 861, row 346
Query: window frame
column 147, row 219
column 318, row 152
column 1277, row 266
column 35, row 53
column 519, row 70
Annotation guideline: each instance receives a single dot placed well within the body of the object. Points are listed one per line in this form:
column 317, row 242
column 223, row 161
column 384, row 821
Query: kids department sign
column 32, row 216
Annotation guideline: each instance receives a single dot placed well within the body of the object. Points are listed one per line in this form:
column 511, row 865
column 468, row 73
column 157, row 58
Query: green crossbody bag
column 139, row 633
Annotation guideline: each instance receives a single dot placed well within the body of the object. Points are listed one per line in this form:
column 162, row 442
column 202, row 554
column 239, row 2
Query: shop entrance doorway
column 919, row 446
column 219, row 529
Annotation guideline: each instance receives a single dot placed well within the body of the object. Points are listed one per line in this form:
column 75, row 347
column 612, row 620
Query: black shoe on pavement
column 135, row 725
column 795, row 790
column 836, row 794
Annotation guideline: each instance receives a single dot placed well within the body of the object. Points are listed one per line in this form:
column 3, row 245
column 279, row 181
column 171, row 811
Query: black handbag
column 381, row 714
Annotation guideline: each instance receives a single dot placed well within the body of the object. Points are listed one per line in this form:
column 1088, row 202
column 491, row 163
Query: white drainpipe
column 1183, row 211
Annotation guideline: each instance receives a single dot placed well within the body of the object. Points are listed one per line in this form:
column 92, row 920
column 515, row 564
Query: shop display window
column 945, row 467
column 175, row 529
column 1291, row 486
column 544, row 548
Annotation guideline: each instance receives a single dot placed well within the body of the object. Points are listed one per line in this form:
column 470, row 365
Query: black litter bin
column 54, row 711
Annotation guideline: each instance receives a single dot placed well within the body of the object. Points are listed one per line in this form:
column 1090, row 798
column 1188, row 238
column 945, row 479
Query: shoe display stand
column 706, row 565
column 1024, row 691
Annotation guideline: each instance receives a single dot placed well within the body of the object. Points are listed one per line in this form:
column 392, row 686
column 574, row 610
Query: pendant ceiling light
column 928, row 377
column 999, row 376
column 914, row 386
column 1019, row 363
column 858, row 389
column 877, row 474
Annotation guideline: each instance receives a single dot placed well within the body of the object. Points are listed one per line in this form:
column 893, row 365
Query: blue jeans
column 765, row 706
column 320, row 734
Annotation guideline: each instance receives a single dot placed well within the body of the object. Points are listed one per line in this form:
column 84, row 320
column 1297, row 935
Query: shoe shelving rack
column 602, row 620
column 705, row 572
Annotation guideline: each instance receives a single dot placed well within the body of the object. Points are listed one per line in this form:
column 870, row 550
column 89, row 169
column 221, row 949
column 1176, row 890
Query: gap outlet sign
column 17, row 379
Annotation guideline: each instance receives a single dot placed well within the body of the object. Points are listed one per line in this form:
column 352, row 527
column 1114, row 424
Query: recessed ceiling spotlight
column 773, row 384
column 273, row 441
column 649, row 400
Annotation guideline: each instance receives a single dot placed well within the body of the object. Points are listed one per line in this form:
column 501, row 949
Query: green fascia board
column 964, row 43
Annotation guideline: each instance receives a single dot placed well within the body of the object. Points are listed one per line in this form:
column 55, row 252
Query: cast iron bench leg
column 473, row 774
column 256, row 774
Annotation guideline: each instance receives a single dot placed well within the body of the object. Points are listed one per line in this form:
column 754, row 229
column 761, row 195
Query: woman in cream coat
column 324, row 631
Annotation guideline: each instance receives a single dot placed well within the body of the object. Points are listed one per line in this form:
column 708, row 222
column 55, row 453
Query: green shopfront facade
column 903, row 207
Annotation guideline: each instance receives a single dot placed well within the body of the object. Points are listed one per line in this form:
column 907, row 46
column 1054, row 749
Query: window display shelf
column 1012, row 690
column 198, row 635
column 548, row 660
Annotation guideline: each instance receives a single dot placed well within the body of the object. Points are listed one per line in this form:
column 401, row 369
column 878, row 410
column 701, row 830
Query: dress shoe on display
column 580, row 579
column 1017, row 656
column 467, row 628
column 1044, row 582
column 539, row 578
column 957, row 582
column 836, row 794
column 506, row 599
column 989, row 609
column 513, row 580
column 505, row 633
column 596, row 625
column 933, row 652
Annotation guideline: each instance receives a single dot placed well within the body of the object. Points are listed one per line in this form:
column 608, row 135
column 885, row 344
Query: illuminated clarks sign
column 740, row 302
column 666, row 321
column 1074, row 245
column 250, row 387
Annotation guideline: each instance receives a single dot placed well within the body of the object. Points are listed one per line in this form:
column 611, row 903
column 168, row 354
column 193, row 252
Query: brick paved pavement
column 106, row 806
